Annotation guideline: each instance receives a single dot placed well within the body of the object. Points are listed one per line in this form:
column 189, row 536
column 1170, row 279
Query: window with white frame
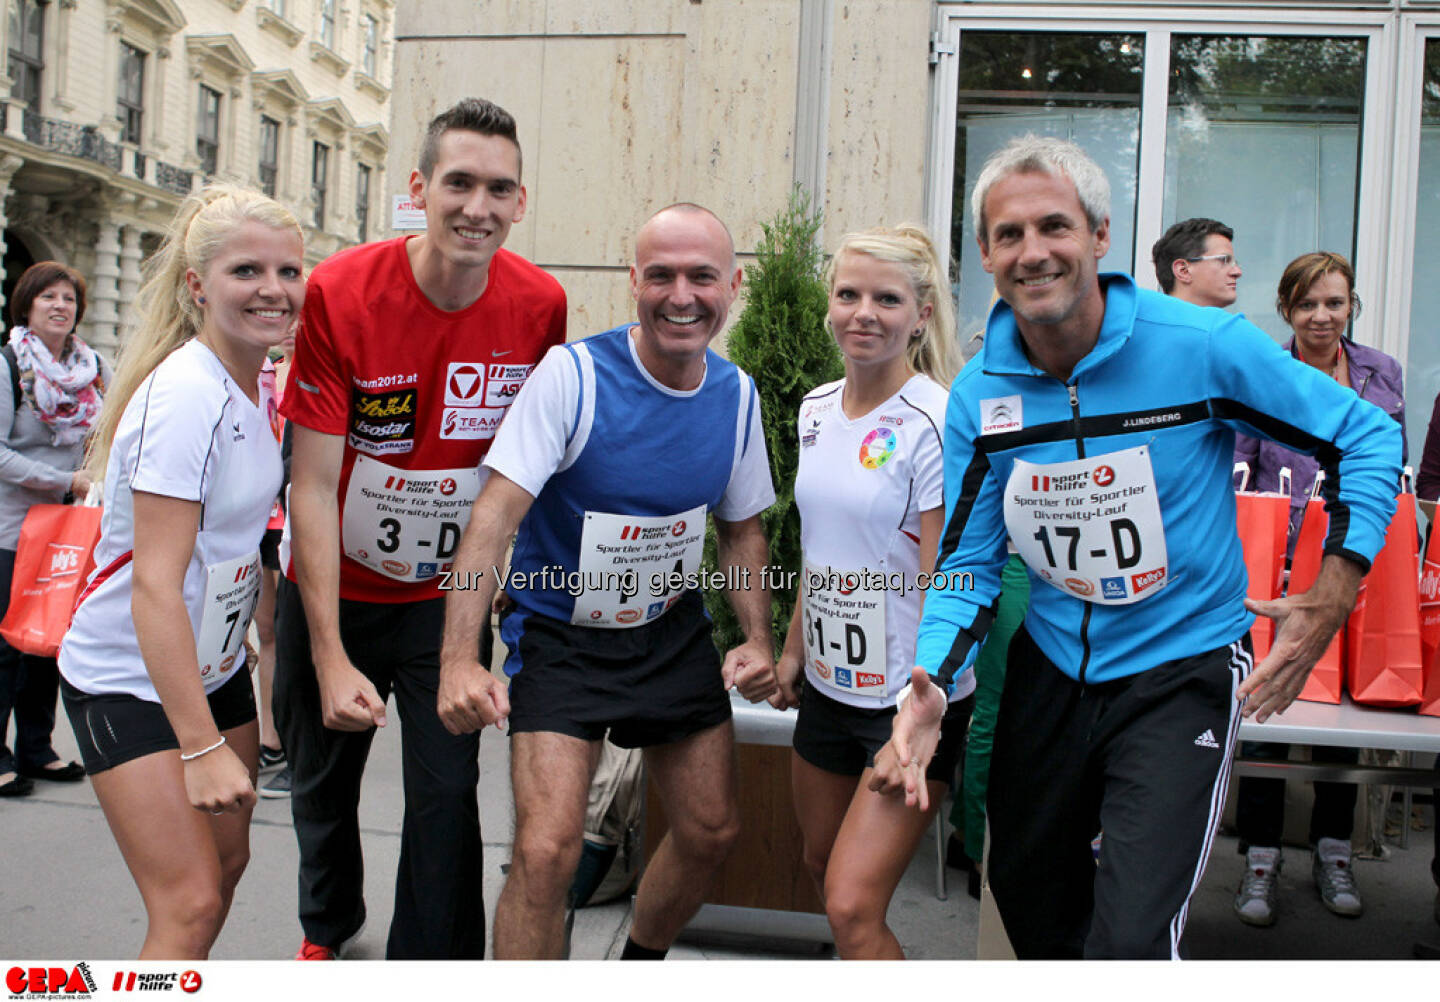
column 278, row 6
column 1085, row 87
column 269, row 154
column 319, row 182
column 1422, row 352
column 327, row 23
column 370, row 56
column 27, row 51
column 1265, row 119
column 362, row 202
column 130, row 97
column 207, row 130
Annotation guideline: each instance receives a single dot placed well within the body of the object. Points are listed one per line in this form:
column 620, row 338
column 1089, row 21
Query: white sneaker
column 1334, row 877
column 1255, row 897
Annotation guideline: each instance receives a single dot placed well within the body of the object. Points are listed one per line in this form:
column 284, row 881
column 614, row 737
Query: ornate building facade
column 118, row 108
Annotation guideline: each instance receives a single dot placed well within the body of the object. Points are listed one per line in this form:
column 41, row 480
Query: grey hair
column 1046, row 155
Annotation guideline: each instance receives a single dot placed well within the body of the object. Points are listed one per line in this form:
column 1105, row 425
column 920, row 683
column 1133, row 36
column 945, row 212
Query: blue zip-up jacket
column 1180, row 380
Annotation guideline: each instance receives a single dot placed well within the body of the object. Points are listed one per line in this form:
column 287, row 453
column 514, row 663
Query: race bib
column 406, row 524
column 845, row 631
column 634, row 568
column 232, row 590
column 1090, row 527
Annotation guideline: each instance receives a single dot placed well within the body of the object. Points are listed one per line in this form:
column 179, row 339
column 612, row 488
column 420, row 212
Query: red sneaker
column 313, row 951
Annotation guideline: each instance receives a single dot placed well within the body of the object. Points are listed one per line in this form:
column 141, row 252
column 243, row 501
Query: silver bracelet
column 203, row 751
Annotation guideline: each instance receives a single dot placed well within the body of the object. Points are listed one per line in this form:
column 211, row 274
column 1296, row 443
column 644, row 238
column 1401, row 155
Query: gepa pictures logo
column 50, row 982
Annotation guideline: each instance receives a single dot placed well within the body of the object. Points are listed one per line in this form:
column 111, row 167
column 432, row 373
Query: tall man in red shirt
column 409, row 354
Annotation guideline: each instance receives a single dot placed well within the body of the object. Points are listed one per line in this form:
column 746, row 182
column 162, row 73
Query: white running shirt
column 188, row 433
column 860, row 488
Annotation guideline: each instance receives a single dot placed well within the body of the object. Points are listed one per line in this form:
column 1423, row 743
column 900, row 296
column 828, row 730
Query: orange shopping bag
column 1430, row 627
column 1323, row 685
column 1262, row 520
column 55, row 556
column 1382, row 656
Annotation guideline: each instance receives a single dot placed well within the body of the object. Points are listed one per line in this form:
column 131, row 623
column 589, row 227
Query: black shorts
column 843, row 739
column 270, row 549
column 113, row 728
column 652, row 685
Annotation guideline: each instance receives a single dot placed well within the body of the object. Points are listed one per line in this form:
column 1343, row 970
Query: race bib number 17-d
column 1090, row 527
column 406, row 524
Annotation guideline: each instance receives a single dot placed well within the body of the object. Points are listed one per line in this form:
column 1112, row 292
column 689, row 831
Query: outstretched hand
column 914, row 734
column 1304, row 626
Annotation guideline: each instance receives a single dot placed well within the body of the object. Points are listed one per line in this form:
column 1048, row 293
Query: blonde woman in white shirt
column 153, row 667
column 869, row 492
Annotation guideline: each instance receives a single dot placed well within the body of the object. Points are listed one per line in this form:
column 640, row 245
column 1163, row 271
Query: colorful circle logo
column 877, row 448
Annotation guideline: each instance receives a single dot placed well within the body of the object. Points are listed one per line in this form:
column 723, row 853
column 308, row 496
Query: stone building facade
column 118, row 108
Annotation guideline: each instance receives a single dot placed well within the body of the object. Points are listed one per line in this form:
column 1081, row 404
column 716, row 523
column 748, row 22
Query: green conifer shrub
column 780, row 339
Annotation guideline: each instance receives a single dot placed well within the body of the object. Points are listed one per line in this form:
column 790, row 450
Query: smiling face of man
column 684, row 279
column 471, row 198
column 1041, row 250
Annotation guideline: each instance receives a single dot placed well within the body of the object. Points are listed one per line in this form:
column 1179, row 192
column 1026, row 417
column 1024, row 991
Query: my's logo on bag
column 62, row 560
column 1429, row 583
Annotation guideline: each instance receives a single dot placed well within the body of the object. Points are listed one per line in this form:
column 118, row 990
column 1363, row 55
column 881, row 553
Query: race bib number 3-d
column 1090, row 527
column 232, row 590
column 406, row 524
column 845, row 632
column 633, row 568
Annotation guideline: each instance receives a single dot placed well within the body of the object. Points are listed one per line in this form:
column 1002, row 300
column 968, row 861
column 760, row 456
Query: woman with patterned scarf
column 51, row 384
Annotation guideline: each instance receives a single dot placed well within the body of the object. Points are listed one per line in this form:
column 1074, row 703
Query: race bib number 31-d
column 232, row 590
column 633, row 568
column 1090, row 527
column 845, row 632
column 406, row 524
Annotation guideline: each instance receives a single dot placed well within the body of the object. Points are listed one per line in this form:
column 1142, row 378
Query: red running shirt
column 418, row 393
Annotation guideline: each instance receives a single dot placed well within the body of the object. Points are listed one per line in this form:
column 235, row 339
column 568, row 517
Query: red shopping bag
column 1262, row 521
column 1323, row 685
column 1430, row 626
column 1382, row 657
column 55, row 556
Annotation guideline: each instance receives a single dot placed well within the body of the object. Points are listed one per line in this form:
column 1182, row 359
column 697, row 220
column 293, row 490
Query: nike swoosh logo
column 497, row 354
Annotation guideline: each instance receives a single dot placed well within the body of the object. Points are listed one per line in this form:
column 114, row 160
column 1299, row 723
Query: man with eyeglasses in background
column 1195, row 261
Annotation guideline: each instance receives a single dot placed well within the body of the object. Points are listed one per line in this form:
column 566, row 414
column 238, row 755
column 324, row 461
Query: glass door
column 1266, row 120
column 1417, row 198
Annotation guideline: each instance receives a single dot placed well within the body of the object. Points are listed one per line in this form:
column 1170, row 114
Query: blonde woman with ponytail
column 869, row 492
column 153, row 668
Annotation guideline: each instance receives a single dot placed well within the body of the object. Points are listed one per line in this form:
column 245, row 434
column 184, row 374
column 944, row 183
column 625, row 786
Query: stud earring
column 200, row 301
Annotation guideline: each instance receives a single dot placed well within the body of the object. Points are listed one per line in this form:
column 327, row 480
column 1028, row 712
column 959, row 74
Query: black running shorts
column 655, row 684
column 113, row 728
column 844, row 739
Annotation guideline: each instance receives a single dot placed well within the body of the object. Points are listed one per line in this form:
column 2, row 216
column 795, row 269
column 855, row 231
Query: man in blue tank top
column 613, row 453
